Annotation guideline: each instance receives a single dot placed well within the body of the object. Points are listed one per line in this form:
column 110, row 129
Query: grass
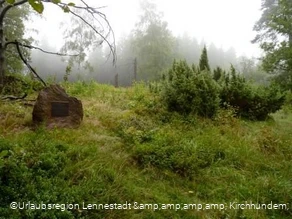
column 130, row 149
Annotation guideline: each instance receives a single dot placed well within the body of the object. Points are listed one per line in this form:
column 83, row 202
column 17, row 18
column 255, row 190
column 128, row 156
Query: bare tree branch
column 112, row 47
column 85, row 3
column 14, row 98
column 5, row 9
column 66, row 7
column 27, row 64
column 2, row 2
column 87, row 7
column 93, row 11
column 40, row 49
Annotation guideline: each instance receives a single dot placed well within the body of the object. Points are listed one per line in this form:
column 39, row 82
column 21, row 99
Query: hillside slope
column 129, row 150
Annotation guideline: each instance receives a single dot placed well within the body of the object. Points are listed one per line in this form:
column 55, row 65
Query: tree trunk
column 290, row 48
column 290, row 62
column 4, row 8
column 2, row 48
column 2, row 58
column 290, row 39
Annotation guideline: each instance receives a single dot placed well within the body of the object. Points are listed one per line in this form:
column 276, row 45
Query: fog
column 227, row 23
column 225, row 27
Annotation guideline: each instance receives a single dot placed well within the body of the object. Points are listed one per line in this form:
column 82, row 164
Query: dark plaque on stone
column 55, row 108
column 60, row 109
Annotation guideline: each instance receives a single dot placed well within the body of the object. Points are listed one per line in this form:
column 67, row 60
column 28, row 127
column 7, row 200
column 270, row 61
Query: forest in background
column 143, row 54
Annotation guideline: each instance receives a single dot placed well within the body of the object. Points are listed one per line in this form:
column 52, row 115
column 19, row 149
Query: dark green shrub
column 204, row 62
column 287, row 107
column 18, row 85
column 251, row 101
column 187, row 90
column 14, row 85
column 31, row 173
column 218, row 73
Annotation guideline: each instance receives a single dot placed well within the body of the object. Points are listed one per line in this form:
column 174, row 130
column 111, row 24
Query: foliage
column 31, row 173
column 38, row 5
column 42, row 171
column 19, row 85
column 284, row 79
column 226, row 115
column 287, row 107
column 250, row 101
column 188, row 90
column 253, row 70
column 204, row 62
column 218, row 73
column 80, row 40
column 14, row 86
column 152, row 43
column 275, row 38
column 203, row 153
column 89, row 20
column 184, row 158
column 14, row 29
column 124, row 151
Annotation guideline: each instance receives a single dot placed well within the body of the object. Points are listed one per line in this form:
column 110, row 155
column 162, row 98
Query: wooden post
column 135, row 69
column 116, row 77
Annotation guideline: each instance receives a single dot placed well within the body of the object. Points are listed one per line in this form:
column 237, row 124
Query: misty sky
column 225, row 22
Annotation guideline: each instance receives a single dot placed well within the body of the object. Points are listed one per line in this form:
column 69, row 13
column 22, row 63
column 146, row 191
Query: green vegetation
column 250, row 100
column 204, row 62
column 14, row 27
column 190, row 90
column 276, row 21
column 204, row 142
column 130, row 148
column 15, row 48
column 151, row 43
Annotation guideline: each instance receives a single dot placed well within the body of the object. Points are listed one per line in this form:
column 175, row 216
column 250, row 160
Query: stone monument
column 55, row 108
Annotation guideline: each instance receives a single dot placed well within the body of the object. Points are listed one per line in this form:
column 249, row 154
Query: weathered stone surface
column 55, row 108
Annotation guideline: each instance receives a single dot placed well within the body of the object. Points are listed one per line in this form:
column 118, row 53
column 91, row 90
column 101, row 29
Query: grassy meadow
column 130, row 149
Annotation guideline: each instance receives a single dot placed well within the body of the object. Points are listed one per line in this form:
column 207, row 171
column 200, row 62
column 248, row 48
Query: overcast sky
column 227, row 23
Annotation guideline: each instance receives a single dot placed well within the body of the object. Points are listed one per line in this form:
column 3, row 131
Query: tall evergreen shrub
column 251, row 101
column 188, row 90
